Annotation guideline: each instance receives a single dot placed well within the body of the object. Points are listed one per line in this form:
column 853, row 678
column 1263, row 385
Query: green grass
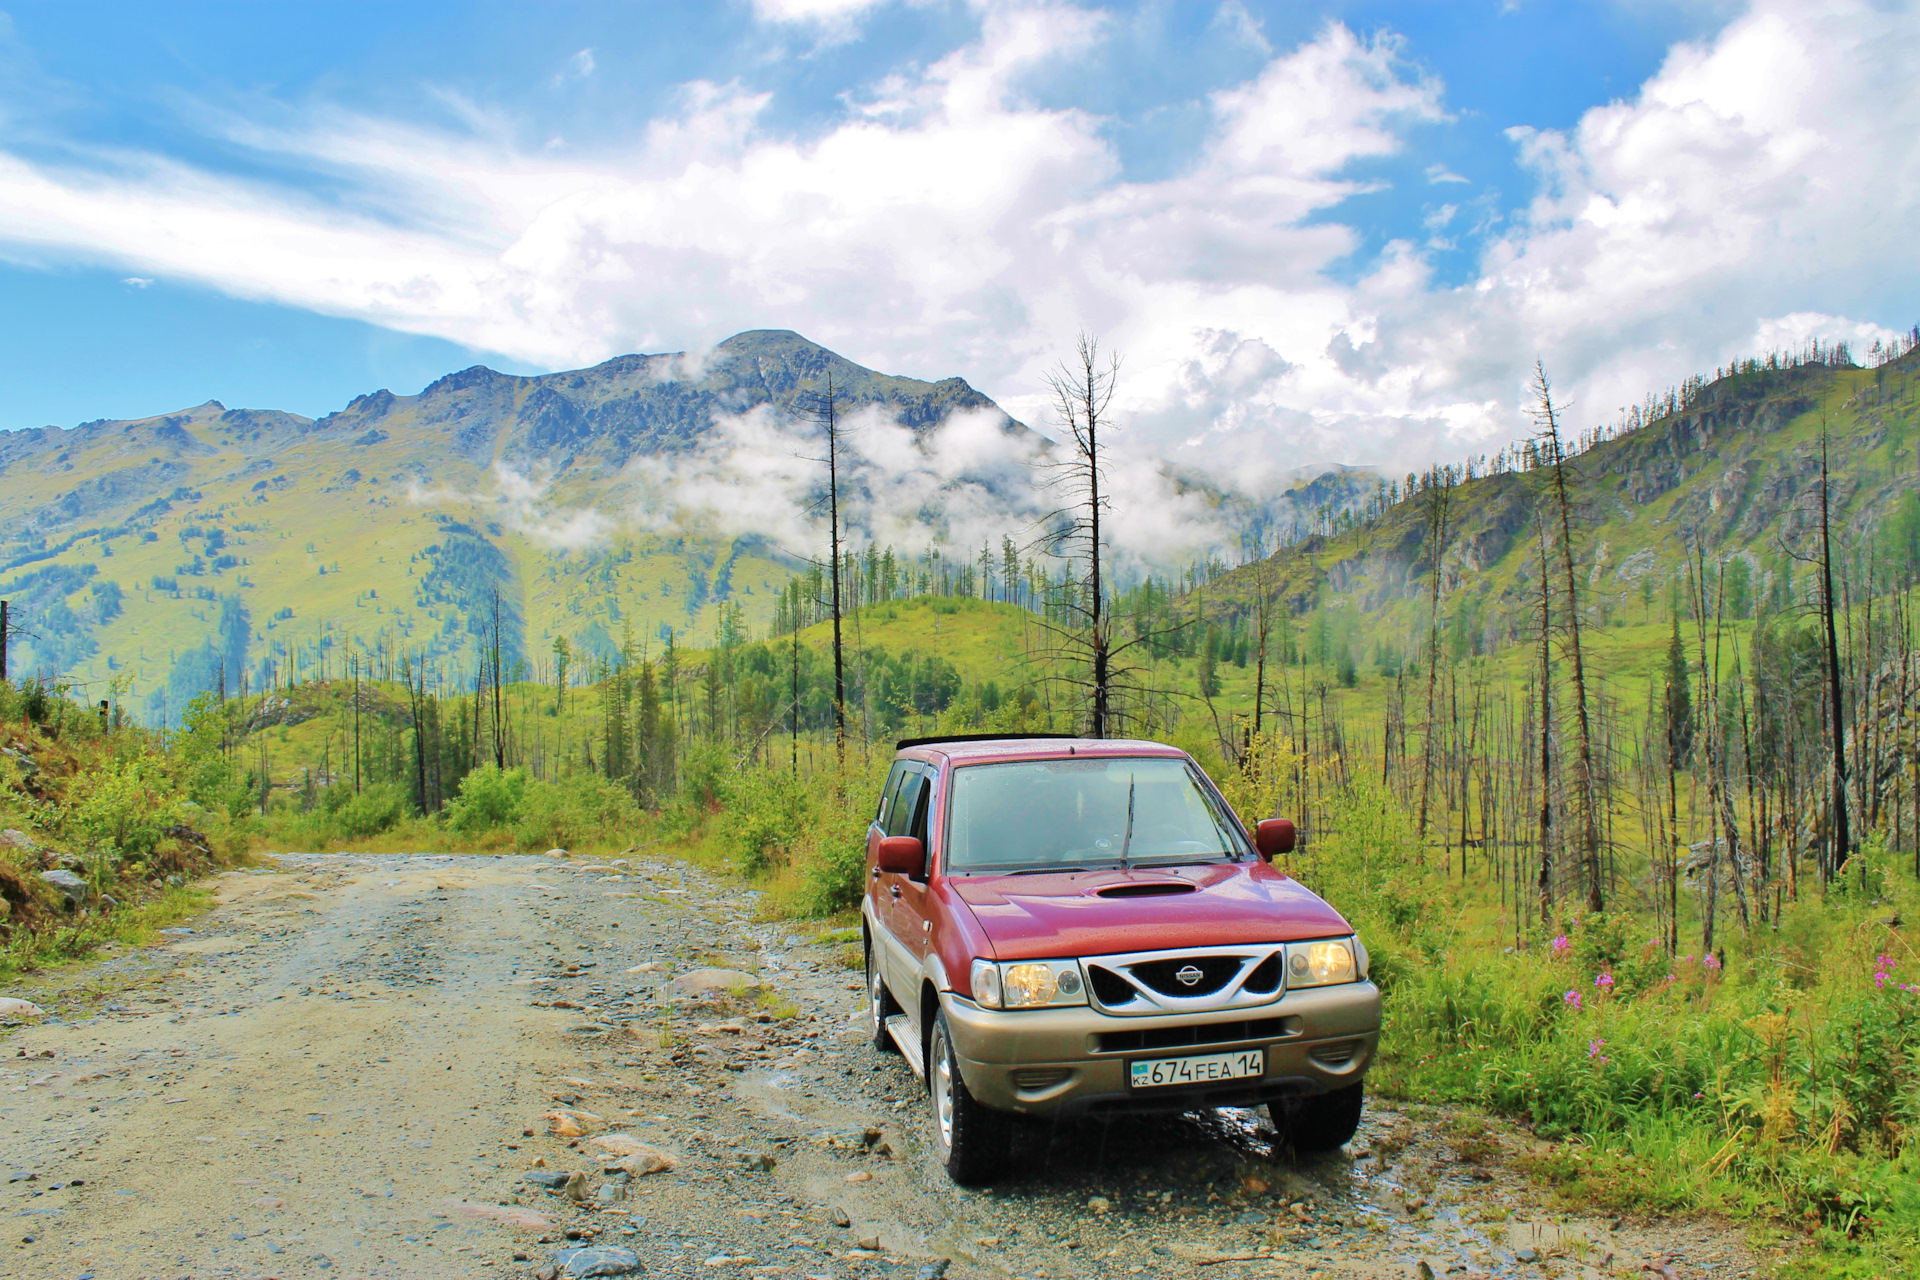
column 132, row 926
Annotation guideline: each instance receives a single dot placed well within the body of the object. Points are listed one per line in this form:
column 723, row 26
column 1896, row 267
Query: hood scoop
column 1146, row 889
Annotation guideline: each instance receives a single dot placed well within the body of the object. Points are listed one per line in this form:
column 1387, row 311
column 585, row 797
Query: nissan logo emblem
column 1189, row 976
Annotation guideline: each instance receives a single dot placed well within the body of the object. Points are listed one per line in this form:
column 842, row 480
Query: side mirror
column 1273, row 836
column 901, row 856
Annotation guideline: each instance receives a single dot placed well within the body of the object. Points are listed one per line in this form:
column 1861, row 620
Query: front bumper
column 1074, row 1059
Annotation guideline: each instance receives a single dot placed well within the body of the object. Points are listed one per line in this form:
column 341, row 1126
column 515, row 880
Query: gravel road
column 356, row 1066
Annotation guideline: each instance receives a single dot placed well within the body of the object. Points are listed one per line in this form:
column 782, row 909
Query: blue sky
column 1320, row 232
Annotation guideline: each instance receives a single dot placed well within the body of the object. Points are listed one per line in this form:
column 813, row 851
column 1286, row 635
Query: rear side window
column 923, row 801
column 908, row 800
column 888, row 792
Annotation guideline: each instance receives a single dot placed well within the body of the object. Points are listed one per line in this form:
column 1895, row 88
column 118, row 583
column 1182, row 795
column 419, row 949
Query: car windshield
column 1104, row 812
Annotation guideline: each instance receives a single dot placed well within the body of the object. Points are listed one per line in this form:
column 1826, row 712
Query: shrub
column 831, row 853
column 579, row 808
column 834, row 860
column 377, row 808
column 489, row 799
column 122, row 807
column 770, row 812
column 1368, row 864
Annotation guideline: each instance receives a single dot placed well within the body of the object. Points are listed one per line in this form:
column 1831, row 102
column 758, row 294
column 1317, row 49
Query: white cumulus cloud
column 1760, row 188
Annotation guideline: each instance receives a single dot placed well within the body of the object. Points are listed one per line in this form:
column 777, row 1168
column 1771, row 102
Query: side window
column 922, row 803
column 888, row 793
column 905, row 800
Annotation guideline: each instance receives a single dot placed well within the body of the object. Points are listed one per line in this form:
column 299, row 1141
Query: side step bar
column 902, row 1032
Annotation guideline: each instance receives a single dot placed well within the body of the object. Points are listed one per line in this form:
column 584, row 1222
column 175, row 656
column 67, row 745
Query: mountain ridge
column 1728, row 470
column 174, row 546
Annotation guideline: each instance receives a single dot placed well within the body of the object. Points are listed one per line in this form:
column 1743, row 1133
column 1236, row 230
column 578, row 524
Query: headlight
column 986, row 984
column 1320, row 964
column 1028, row 984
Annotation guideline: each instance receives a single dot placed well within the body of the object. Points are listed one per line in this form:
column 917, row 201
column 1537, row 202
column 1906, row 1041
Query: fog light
column 1028, row 984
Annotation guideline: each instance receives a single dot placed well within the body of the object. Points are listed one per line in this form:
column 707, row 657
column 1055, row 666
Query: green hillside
column 150, row 560
column 163, row 551
column 1733, row 470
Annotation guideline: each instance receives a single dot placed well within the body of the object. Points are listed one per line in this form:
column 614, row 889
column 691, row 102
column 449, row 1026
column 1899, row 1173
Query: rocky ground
column 415, row 1066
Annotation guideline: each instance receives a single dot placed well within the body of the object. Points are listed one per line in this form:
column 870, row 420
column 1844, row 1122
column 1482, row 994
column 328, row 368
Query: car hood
column 1095, row 913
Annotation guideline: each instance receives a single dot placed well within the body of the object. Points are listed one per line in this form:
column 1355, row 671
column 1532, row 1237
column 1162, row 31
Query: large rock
column 635, row 1156
column 71, row 887
column 598, row 1260
column 565, row 1123
column 12, row 1008
column 707, row 982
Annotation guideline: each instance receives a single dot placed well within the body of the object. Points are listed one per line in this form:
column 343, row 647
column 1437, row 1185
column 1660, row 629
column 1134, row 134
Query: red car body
column 927, row 928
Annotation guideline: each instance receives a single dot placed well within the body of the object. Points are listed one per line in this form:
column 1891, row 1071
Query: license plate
column 1206, row 1069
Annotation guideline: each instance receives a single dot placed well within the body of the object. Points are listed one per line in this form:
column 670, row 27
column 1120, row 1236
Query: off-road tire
column 880, row 1007
column 971, row 1140
column 1323, row 1122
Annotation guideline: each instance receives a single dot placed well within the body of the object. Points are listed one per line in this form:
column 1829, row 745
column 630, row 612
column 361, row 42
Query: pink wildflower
column 1710, row 961
column 1603, row 981
column 1571, row 1000
column 1561, row 945
column 1594, row 1047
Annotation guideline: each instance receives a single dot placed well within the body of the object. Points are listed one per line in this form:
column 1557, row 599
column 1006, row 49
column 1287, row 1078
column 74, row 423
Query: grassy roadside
column 136, row 925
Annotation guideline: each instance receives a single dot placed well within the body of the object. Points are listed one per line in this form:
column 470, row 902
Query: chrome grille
column 1183, row 976
column 1193, row 980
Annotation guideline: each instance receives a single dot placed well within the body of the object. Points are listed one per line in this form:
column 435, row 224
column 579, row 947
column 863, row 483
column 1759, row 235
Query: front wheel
column 1324, row 1122
column 971, row 1139
column 880, row 1007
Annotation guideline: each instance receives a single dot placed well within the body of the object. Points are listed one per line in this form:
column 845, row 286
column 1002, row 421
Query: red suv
column 1074, row 925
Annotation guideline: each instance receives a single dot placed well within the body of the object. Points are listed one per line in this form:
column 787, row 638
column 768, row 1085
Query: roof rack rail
column 904, row 743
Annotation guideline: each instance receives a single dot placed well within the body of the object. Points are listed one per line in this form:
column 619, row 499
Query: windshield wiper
column 1127, row 838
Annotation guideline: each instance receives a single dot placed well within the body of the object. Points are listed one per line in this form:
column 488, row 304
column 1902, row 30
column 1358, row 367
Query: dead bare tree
column 824, row 406
column 1082, row 392
column 1262, row 626
column 1549, row 422
column 1842, row 847
column 1546, row 727
column 1439, row 511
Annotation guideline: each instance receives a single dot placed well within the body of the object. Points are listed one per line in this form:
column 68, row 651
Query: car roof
column 1013, row 748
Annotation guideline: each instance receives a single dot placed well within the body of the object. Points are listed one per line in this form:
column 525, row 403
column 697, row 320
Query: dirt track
column 334, row 1073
